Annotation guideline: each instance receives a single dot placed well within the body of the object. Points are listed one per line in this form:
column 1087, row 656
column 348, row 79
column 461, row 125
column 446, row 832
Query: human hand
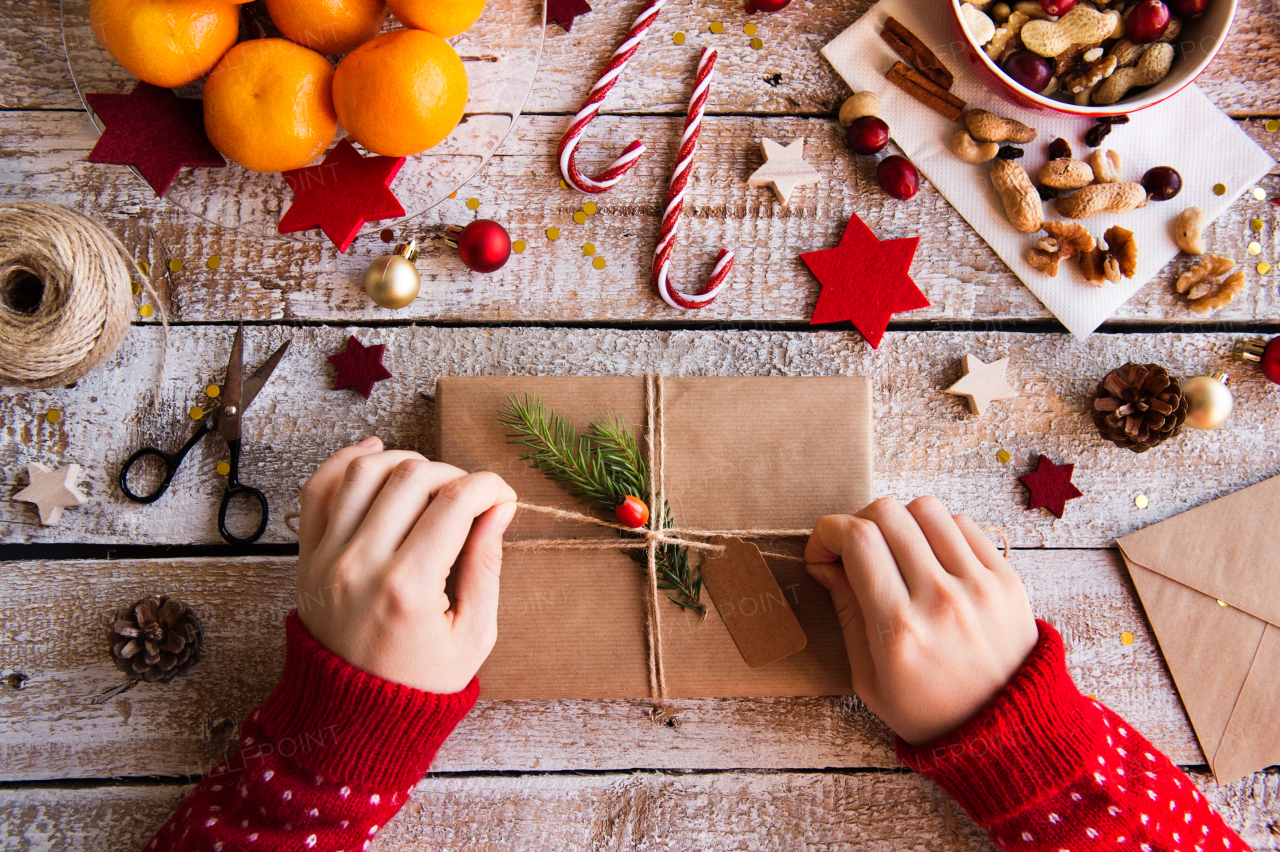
column 379, row 533
column 934, row 619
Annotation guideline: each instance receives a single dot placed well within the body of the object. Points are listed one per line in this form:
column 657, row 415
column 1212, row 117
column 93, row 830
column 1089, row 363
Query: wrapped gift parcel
column 742, row 453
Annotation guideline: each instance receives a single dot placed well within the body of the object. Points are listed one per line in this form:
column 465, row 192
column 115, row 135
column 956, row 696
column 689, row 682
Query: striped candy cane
column 675, row 203
column 605, row 181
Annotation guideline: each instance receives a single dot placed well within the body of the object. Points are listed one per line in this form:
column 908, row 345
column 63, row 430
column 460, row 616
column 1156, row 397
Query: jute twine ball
column 81, row 275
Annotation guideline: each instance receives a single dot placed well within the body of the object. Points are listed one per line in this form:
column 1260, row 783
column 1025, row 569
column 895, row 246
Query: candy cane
column 675, row 203
column 568, row 153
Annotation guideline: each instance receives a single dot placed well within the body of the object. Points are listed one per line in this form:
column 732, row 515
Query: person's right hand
column 934, row 619
column 379, row 534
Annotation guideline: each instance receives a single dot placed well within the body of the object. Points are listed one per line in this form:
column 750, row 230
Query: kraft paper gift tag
column 1225, row 659
column 742, row 453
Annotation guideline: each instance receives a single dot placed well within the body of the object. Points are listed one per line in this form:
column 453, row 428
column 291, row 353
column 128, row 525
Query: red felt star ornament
column 359, row 367
column 564, row 11
column 864, row 280
column 1050, row 486
column 153, row 130
column 341, row 194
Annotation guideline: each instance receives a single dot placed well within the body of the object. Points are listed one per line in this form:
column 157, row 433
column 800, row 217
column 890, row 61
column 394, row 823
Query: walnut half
column 1207, row 286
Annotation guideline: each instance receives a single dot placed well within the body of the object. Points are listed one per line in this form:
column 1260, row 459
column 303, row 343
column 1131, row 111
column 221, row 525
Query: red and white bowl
column 1198, row 43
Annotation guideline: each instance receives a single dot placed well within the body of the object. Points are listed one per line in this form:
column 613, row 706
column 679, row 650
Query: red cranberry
column 1147, row 22
column 1057, row 7
column 867, row 135
column 1028, row 70
column 1162, row 183
column 766, row 5
column 1188, row 8
column 898, row 177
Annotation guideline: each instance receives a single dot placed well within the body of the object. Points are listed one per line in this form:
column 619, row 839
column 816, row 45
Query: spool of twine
column 66, row 295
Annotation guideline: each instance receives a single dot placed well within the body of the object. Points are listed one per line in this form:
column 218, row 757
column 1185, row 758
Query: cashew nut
column 1151, row 69
column 1021, row 200
column 1102, row 198
column 1066, row 173
column 988, row 127
column 973, row 152
column 1188, row 230
column 859, row 105
column 981, row 28
column 1082, row 25
column 1105, row 165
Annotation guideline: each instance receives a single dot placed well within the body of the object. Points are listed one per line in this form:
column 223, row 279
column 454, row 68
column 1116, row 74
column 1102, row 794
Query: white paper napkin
column 1186, row 132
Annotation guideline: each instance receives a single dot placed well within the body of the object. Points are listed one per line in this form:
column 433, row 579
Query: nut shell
column 1066, row 173
column 1102, row 198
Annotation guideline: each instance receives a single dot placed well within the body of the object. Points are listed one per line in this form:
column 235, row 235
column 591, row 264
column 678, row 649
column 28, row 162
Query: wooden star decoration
column 341, row 194
column 784, row 169
column 52, row 491
column 982, row 383
column 1050, row 486
column 359, row 367
column 155, row 131
column 564, row 11
column 864, row 280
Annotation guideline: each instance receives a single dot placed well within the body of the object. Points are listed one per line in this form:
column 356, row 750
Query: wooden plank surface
column 555, row 282
column 925, row 441
column 768, row 812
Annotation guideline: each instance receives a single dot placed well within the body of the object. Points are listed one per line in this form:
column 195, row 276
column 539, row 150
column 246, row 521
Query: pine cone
column 1139, row 406
column 156, row 639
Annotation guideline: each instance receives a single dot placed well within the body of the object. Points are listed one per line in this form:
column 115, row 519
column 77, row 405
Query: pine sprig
column 601, row 467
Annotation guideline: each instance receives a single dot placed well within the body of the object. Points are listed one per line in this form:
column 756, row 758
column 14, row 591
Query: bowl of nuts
column 1106, row 57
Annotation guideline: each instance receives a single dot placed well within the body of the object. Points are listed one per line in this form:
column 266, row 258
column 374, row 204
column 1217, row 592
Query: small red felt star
column 864, row 280
column 1050, row 486
column 564, row 11
column 153, row 130
column 341, row 194
column 359, row 367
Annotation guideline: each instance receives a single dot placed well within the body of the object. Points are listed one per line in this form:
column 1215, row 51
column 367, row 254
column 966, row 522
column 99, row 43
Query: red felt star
column 153, row 130
column 564, row 11
column 864, row 280
column 1050, row 486
column 341, row 194
column 359, row 367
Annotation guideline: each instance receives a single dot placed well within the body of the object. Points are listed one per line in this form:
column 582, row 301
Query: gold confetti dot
column 453, row 194
column 757, row 43
column 590, row 208
column 1222, row 603
column 1255, row 247
column 1126, row 638
column 678, row 38
column 196, row 412
column 1141, row 501
column 1272, row 126
column 146, row 311
column 563, row 185
column 519, row 246
column 223, row 468
column 1003, row 457
column 553, row 233
column 717, row 26
column 1092, row 697
column 598, row 263
column 750, row 29
column 1219, row 189
column 589, row 249
column 579, row 217
column 175, row 265
column 1255, row 224
column 53, row 415
column 1259, row 193
column 213, row 391
column 213, row 262
column 1264, row 268
column 145, row 267
column 473, row 203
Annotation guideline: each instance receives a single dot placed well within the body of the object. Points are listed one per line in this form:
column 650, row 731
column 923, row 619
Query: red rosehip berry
column 632, row 512
column 898, row 177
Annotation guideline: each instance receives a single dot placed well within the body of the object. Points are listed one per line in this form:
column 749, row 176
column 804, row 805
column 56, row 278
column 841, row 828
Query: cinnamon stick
column 925, row 90
column 909, row 47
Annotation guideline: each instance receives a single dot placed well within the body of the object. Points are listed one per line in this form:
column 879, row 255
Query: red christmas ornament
column 155, row 131
column 864, row 280
column 484, row 245
column 1050, row 486
column 1265, row 354
column 564, row 11
column 341, row 194
column 754, row 6
column 359, row 367
column 632, row 512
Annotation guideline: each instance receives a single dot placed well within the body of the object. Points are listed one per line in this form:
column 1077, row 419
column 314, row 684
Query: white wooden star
column 52, row 490
column 784, row 169
column 982, row 383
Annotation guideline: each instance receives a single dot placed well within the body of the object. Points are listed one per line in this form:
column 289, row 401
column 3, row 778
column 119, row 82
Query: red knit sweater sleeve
column 1046, row 769
column 329, row 758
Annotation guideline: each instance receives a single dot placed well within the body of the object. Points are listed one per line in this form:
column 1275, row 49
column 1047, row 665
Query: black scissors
column 237, row 395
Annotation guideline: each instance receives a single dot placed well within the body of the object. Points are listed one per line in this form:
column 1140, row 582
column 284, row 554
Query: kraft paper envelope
column 741, row 453
column 1224, row 659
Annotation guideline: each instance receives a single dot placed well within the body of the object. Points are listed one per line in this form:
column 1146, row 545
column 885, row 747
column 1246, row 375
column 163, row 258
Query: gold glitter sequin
column 1272, row 126
column 213, row 391
column 1264, row 268
column 750, row 29
column 757, row 44
column 1259, row 193
column 145, row 267
column 1255, row 225
column 579, row 217
column 1255, row 247
column 553, row 233
column 223, row 468
column 1221, row 603
column 519, row 246
column 196, row 412
column 1003, row 457
column 1219, row 189
column 53, row 415
column 590, row 208
column 213, row 262
column 1141, row 501
column 717, row 26
column 1126, row 638
column 175, row 265
column 589, row 249
column 146, row 311
column 598, row 263
column 563, row 185
column 678, row 38
column 473, row 203
column 453, row 194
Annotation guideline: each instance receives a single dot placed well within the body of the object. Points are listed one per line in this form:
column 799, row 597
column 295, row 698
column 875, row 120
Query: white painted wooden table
column 784, row 774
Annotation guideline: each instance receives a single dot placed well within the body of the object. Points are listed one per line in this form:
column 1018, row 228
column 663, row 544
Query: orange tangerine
column 329, row 26
column 445, row 18
column 400, row 93
column 166, row 43
column 268, row 105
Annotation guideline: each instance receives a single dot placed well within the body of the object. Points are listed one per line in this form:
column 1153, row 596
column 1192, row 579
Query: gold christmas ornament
column 392, row 281
column 1209, row 400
